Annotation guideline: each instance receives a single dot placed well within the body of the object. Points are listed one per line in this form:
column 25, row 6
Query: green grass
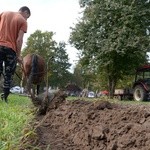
column 14, row 117
column 115, row 100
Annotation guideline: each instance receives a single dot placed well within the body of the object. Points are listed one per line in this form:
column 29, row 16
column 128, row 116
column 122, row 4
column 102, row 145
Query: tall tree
column 41, row 43
column 78, row 75
column 55, row 56
column 113, row 36
column 60, row 68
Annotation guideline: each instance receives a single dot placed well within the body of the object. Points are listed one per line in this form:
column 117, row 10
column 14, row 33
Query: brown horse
column 34, row 71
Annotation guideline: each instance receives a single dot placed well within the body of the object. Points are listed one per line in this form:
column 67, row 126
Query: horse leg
column 29, row 87
column 22, row 83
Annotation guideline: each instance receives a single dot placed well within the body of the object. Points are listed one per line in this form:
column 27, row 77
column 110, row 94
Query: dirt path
column 100, row 125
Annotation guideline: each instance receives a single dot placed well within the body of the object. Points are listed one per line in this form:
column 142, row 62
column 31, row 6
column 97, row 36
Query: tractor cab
column 141, row 86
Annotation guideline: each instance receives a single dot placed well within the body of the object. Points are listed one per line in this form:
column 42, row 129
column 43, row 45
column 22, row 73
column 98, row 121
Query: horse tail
column 34, row 66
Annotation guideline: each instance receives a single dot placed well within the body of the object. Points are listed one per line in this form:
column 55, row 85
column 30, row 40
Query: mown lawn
column 14, row 120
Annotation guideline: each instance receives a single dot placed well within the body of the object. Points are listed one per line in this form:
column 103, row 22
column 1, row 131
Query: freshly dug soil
column 98, row 125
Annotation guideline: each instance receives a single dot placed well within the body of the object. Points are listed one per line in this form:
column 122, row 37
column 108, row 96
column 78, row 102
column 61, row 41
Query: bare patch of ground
column 99, row 125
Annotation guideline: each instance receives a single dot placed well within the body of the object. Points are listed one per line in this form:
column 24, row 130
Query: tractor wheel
column 139, row 93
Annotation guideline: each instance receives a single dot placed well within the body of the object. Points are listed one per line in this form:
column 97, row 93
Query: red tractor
column 141, row 86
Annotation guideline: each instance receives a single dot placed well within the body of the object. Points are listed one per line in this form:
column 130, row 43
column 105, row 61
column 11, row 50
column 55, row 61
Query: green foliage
column 59, row 67
column 78, row 77
column 41, row 43
column 55, row 56
column 113, row 36
column 14, row 117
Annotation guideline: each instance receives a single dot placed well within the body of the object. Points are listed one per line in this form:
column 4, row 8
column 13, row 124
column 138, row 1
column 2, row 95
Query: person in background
column 13, row 25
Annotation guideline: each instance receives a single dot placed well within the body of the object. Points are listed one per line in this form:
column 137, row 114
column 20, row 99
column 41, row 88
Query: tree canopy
column 113, row 36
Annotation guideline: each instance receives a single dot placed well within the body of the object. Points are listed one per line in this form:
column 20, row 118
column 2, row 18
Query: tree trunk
column 111, row 86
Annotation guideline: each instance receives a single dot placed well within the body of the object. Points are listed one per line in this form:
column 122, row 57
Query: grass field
column 115, row 100
column 14, row 119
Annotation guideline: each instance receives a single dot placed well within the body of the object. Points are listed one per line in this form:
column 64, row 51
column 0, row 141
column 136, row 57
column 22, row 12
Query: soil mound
column 100, row 125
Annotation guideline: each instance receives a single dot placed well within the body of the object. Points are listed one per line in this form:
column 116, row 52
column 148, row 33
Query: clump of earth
column 92, row 125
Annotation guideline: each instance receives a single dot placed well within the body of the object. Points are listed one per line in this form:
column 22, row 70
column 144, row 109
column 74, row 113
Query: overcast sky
column 49, row 15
